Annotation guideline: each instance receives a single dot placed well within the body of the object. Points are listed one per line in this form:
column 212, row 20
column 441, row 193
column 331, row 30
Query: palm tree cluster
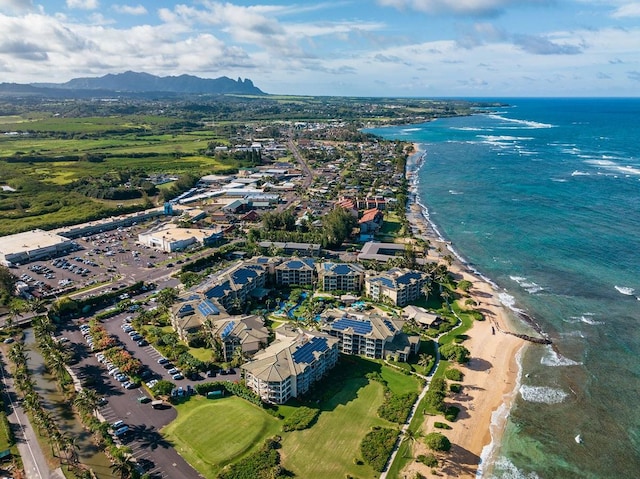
column 55, row 353
column 32, row 403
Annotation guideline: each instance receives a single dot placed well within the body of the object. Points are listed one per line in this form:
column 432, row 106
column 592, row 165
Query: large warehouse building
column 32, row 245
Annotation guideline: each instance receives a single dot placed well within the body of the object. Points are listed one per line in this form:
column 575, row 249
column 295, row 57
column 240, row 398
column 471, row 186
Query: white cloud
column 16, row 5
column 460, row 7
column 83, row 4
column 630, row 10
column 130, row 10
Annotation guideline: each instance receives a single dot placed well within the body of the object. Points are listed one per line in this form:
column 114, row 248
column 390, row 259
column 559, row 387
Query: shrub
column 451, row 414
column 396, row 407
column 455, row 352
column 376, row 447
column 302, row 418
column 455, row 388
column 437, row 442
column 428, row 460
column 263, row 464
column 163, row 388
column 441, row 425
column 454, row 374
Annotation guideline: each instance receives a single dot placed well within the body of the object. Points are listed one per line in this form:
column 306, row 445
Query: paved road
column 306, row 171
column 34, row 461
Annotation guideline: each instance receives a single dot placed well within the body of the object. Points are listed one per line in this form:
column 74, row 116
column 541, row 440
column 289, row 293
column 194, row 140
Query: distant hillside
column 132, row 83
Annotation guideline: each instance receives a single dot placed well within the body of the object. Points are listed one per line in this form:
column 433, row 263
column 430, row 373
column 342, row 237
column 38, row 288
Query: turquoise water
column 543, row 197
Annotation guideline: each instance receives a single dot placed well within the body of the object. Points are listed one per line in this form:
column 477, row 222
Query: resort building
column 232, row 287
column 398, row 285
column 245, row 332
column 372, row 336
column 371, row 221
column 290, row 365
column 340, row 276
column 298, row 272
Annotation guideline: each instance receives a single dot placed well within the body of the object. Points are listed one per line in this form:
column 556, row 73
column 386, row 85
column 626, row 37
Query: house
column 290, row 365
column 236, row 206
column 400, row 286
column 370, row 221
column 340, row 276
column 372, row 336
column 421, row 316
column 250, row 217
column 296, row 271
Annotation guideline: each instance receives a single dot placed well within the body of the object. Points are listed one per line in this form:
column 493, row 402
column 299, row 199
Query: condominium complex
column 289, row 367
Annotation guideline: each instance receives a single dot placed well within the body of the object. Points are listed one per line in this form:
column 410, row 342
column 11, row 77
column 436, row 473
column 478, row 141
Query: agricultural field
column 61, row 171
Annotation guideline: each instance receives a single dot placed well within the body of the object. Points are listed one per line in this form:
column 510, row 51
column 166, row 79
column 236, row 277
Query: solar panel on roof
column 242, row 276
column 390, row 325
column 385, row 281
column 227, row 329
column 407, row 277
column 206, row 307
column 294, row 264
column 342, row 269
column 185, row 309
column 304, row 354
column 218, row 291
column 359, row 327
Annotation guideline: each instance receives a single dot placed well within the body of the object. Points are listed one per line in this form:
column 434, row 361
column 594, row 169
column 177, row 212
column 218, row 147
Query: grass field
column 331, row 447
column 212, row 433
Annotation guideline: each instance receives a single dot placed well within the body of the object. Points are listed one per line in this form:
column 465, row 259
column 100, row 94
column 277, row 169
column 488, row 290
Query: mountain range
column 134, row 83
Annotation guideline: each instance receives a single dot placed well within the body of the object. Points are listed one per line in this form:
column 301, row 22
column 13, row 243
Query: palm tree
column 122, row 464
column 427, row 287
column 424, row 360
column 410, row 437
column 86, row 401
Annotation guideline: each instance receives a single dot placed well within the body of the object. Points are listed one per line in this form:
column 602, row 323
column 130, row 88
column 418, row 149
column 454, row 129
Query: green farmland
column 62, row 171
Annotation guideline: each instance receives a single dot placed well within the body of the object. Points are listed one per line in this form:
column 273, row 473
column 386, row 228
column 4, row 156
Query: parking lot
column 111, row 259
column 144, row 422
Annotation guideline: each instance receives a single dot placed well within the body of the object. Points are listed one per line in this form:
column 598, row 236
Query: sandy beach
column 490, row 377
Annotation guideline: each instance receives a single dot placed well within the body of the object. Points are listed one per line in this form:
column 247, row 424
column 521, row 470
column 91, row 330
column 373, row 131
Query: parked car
column 163, row 361
column 173, row 371
column 177, row 377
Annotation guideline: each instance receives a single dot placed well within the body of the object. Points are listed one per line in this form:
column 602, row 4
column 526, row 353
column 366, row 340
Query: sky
column 380, row 48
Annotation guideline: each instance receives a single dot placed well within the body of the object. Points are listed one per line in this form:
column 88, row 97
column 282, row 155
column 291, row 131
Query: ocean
column 543, row 197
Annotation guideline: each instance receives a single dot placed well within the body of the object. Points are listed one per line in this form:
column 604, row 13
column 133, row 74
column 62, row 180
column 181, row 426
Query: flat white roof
column 29, row 240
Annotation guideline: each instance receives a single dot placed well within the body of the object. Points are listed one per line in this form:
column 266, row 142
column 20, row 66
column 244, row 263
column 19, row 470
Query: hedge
column 302, row 418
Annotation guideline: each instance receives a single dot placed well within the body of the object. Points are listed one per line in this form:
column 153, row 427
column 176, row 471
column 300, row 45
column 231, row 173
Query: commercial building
column 170, row 238
column 299, row 272
column 33, row 245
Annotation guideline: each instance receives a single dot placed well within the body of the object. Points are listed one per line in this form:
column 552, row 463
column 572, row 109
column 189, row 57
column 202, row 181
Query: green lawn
column 330, row 447
column 212, row 433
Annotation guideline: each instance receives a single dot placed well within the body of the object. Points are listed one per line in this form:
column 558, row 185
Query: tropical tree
column 86, row 401
column 122, row 463
column 427, row 287
column 424, row 360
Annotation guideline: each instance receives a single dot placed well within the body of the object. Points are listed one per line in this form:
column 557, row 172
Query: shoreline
column 491, row 378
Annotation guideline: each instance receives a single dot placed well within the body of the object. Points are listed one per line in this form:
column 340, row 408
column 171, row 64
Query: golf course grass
column 212, row 433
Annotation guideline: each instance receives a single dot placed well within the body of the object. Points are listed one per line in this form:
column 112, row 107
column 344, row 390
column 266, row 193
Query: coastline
column 491, row 378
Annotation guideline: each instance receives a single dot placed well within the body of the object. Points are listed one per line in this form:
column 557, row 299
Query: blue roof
column 304, row 354
column 359, row 327
column 227, row 329
column 246, row 273
column 206, row 307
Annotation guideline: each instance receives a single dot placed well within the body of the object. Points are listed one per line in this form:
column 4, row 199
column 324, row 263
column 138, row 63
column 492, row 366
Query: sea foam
column 505, row 469
column 554, row 359
column 625, row 290
column 542, row 394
